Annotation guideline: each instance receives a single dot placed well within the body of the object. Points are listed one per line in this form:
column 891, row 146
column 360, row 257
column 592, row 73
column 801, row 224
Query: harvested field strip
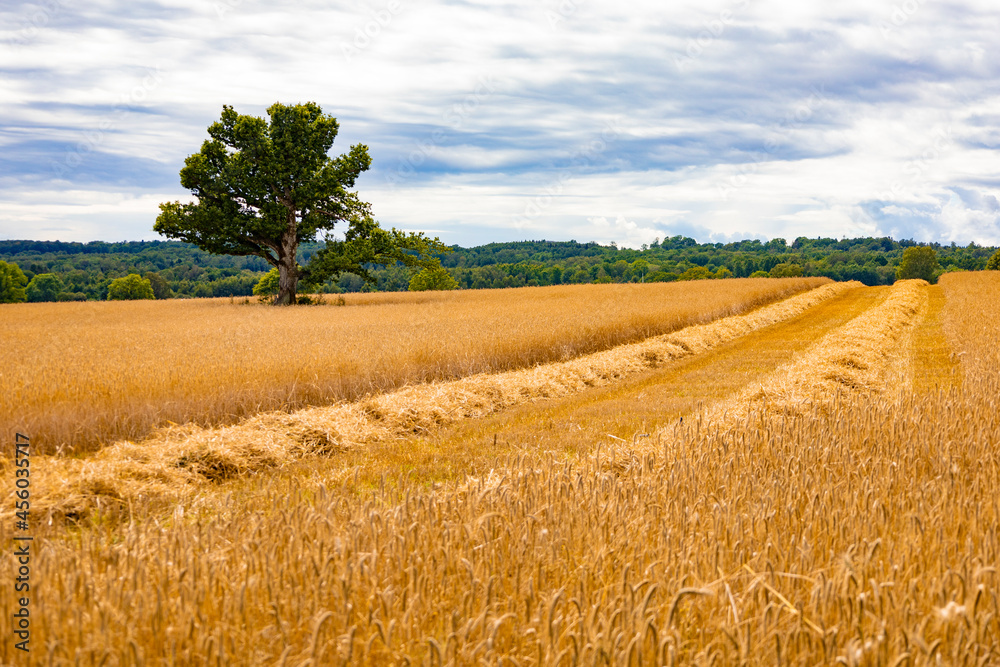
column 935, row 364
column 174, row 461
column 574, row 424
column 421, row 408
column 854, row 359
column 81, row 375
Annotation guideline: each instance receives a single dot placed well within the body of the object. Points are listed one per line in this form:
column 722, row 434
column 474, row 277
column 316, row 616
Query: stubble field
column 814, row 481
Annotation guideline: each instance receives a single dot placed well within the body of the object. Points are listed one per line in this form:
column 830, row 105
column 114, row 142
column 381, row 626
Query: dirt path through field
column 623, row 411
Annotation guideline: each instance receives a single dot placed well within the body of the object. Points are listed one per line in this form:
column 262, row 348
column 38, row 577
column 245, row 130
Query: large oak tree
column 262, row 188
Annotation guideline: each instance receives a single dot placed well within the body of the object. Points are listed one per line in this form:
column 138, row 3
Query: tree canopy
column 366, row 245
column 918, row 262
column 12, row 282
column 263, row 187
column 87, row 269
column 131, row 287
column 44, row 287
column 785, row 270
column 161, row 290
column 432, row 278
column 993, row 264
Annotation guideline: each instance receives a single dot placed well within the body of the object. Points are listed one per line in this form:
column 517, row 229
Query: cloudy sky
column 530, row 119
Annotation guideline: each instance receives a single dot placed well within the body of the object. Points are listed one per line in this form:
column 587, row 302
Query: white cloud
column 719, row 132
column 623, row 232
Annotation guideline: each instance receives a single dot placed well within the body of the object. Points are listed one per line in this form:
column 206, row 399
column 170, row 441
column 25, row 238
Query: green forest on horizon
column 85, row 270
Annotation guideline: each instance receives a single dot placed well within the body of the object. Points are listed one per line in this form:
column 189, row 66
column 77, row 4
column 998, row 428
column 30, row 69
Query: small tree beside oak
column 918, row 262
column 432, row 278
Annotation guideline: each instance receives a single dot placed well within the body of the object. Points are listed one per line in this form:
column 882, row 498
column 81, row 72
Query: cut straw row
column 851, row 361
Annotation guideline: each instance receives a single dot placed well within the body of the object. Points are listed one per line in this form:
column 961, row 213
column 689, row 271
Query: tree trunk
column 288, row 273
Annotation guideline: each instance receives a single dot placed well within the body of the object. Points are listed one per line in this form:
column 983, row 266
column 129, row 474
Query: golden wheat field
column 804, row 479
column 81, row 374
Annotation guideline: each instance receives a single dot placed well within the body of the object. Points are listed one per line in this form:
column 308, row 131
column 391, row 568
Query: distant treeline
column 87, row 269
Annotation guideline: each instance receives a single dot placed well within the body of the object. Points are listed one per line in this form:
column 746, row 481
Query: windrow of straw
column 854, row 360
column 174, row 461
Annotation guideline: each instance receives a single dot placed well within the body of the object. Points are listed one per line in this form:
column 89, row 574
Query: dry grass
column 174, row 462
column 972, row 321
column 862, row 531
column 77, row 375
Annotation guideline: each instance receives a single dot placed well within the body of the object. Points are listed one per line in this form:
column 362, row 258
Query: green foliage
column 12, row 282
column 918, row 262
column 696, row 273
column 44, row 287
column 760, row 274
column 131, row 287
column 265, row 187
column 994, row 262
column 640, row 268
column 367, row 245
column 267, row 285
column 432, row 278
column 723, row 272
column 786, row 270
column 88, row 268
column 161, row 290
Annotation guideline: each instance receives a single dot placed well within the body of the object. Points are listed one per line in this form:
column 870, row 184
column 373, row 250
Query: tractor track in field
column 869, row 358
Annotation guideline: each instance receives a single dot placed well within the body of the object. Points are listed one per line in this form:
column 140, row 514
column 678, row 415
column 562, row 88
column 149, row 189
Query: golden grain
column 862, row 531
